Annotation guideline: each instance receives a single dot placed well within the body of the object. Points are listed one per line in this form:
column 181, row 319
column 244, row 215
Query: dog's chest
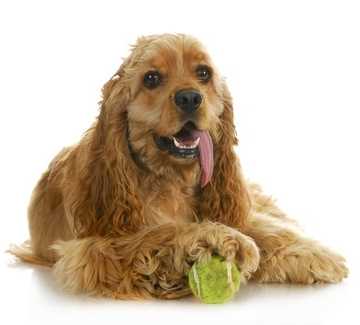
column 169, row 202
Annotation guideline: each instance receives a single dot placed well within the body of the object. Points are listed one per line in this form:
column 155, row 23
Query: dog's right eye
column 152, row 79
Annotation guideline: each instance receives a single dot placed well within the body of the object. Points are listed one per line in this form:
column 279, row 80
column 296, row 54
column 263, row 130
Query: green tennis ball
column 215, row 281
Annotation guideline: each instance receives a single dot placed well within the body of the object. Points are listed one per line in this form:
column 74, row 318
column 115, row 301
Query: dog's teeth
column 196, row 142
column 177, row 143
column 183, row 146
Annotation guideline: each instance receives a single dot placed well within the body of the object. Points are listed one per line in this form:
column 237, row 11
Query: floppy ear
column 105, row 200
column 225, row 199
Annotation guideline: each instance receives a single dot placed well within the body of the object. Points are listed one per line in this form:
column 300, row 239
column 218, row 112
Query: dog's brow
column 200, row 56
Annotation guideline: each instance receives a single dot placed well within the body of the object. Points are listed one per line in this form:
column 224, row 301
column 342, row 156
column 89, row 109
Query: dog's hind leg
column 286, row 254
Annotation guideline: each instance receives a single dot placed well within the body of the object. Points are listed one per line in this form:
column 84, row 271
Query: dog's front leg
column 150, row 263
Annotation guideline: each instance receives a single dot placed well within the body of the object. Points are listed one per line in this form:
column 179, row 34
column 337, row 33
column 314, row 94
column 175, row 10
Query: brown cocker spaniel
column 155, row 185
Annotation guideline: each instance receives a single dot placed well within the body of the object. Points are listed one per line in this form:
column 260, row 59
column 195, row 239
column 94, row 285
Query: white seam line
column 197, row 281
column 229, row 275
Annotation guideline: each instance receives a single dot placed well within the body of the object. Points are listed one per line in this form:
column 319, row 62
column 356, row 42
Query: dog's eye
column 152, row 79
column 203, row 73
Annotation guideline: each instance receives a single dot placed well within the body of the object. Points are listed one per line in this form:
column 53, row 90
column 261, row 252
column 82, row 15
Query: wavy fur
column 114, row 215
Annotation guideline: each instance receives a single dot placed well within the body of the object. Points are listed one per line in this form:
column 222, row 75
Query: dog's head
column 174, row 98
column 166, row 111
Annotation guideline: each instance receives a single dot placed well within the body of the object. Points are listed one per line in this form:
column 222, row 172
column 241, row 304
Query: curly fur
column 113, row 215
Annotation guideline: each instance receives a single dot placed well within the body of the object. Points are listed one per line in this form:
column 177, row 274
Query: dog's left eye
column 152, row 79
column 203, row 73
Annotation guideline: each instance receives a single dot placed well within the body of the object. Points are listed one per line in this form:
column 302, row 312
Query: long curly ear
column 105, row 198
column 225, row 199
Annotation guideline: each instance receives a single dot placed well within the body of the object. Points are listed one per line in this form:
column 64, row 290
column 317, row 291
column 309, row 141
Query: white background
column 294, row 72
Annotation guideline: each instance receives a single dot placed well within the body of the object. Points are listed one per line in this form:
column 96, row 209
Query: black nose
column 188, row 100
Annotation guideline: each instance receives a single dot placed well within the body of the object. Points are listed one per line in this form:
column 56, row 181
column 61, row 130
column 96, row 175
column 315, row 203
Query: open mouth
column 189, row 143
column 183, row 144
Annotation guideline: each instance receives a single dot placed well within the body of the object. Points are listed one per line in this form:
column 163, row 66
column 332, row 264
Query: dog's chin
column 183, row 146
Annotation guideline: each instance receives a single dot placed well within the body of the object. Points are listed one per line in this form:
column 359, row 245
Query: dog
column 155, row 185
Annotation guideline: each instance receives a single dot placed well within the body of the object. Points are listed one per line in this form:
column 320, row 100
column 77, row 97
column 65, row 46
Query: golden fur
column 129, row 223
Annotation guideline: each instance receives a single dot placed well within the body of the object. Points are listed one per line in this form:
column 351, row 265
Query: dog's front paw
column 239, row 248
column 210, row 238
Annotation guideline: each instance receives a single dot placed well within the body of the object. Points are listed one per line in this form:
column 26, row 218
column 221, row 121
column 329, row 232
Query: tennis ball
column 215, row 281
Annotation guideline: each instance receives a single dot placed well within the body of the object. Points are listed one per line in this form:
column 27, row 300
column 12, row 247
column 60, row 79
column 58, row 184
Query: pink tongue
column 206, row 156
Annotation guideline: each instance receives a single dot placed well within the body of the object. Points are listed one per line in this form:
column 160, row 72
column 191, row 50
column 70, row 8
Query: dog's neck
column 137, row 160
